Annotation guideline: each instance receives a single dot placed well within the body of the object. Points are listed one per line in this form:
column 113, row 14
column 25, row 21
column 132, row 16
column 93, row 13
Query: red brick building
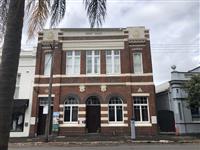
column 101, row 79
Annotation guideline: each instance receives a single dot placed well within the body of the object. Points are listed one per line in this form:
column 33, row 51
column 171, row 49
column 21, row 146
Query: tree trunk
column 9, row 67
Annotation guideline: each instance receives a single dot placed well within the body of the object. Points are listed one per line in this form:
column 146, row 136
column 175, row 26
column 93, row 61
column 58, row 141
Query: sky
column 174, row 29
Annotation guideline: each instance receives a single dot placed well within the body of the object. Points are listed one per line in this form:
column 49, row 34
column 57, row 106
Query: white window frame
column 140, row 105
column 115, row 110
column 113, row 62
column 47, row 72
column 71, row 106
column 73, row 56
column 142, row 71
column 93, row 62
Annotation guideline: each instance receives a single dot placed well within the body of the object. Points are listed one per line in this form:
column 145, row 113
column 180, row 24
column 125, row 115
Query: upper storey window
column 73, row 62
column 93, row 62
column 137, row 63
column 47, row 64
column 113, row 62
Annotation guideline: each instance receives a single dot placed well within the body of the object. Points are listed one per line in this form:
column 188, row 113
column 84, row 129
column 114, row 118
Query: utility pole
column 48, row 119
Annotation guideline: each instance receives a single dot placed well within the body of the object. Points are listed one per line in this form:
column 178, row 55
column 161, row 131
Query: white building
column 171, row 99
column 21, row 116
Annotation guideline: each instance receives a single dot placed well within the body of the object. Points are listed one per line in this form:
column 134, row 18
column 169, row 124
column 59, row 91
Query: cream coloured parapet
column 134, row 33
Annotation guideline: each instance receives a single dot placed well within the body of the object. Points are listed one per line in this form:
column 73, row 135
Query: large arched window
column 71, row 110
column 115, row 109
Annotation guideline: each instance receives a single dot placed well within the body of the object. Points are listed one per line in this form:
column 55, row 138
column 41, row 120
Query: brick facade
column 125, row 85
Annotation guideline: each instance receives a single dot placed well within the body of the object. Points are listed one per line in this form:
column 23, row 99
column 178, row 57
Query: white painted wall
column 27, row 70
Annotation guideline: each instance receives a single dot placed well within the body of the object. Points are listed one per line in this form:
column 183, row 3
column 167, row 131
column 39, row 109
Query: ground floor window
column 115, row 109
column 17, row 123
column 141, row 109
column 71, row 110
column 195, row 112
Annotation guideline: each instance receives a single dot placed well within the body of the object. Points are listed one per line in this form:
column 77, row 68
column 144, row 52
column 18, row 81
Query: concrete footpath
column 101, row 140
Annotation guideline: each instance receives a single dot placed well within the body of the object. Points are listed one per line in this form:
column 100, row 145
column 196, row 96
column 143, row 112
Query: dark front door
column 93, row 119
column 42, row 121
column 93, row 115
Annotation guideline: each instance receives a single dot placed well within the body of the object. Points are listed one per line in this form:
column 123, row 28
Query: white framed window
column 195, row 112
column 73, row 62
column 113, row 62
column 115, row 110
column 141, row 109
column 137, row 63
column 71, row 110
column 47, row 64
column 93, row 62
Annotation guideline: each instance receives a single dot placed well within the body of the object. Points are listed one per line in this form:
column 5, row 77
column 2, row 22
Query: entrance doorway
column 93, row 114
column 42, row 117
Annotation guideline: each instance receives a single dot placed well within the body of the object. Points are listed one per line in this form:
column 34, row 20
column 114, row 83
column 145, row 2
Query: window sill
column 71, row 125
column 141, row 124
column 114, row 124
column 46, row 76
column 70, row 122
column 139, row 73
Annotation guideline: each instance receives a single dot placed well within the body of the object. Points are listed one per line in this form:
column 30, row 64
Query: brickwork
column 123, row 85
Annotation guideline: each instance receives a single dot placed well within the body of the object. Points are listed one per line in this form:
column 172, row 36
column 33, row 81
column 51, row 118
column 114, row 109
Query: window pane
column 111, row 113
column 73, row 62
column 69, row 53
column 108, row 64
column 96, row 52
column 69, row 68
column 119, row 113
column 137, row 113
column 108, row 52
column 116, row 64
column 96, row 65
column 116, row 52
column 47, row 64
column 77, row 53
column 17, row 123
column 89, row 64
column 137, row 60
column 67, row 114
column 89, row 53
column 75, row 113
column 115, row 100
column 77, row 65
column 112, row 61
column 144, row 113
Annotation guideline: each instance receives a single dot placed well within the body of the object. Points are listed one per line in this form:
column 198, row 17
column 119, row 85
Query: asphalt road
column 119, row 147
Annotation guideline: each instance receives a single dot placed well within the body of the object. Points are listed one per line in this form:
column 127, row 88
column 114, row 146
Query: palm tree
column 11, row 23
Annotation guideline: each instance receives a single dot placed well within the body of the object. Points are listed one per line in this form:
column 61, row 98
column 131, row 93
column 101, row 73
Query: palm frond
column 96, row 11
column 39, row 14
column 30, row 4
column 57, row 11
